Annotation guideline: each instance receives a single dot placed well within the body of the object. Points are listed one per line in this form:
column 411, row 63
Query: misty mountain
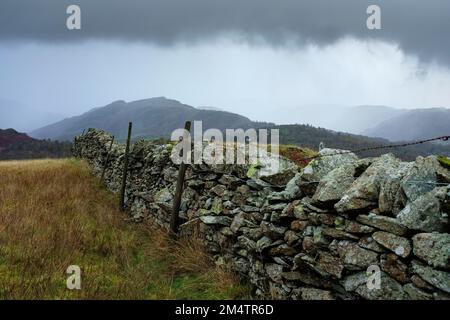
column 311, row 137
column 15, row 115
column 413, row 125
column 158, row 117
column 340, row 118
column 152, row 118
column 358, row 119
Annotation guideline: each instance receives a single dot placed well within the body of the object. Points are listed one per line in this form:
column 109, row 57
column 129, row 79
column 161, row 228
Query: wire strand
column 393, row 146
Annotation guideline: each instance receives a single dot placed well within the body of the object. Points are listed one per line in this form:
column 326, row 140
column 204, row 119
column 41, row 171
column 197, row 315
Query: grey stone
column 252, row 233
column 364, row 191
column 163, row 196
column 263, row 243
column 325, row 264
column 219, row 190
column 196, row 183
column 300, row 213
column 247, row 208
column 423, row 169
column 399, row 245
column 291, row 237
column 355, row 227
column 291, row 191
column 436, row 278
column 272, row 231
column 276, row 171
column 338, row 234
column 333, row 185
column 222, row 220
column 425, row 212
column 230, row 181
column 320, row 167
column 258, row 184
column 391, row 199
column 389, row 290
column 314, row 294
column 246, row 243
column 415, row 293
column 369, row 243
column 238, row 222
column 356, row 257
column 241, row 265
column 282, row 250
column 434, row 248
column 216, row 206
column 384, row 223
column 353, row 281
column 274, row 271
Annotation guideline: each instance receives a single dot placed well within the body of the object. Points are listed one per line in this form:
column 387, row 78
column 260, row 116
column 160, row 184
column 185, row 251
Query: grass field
column 53, row 214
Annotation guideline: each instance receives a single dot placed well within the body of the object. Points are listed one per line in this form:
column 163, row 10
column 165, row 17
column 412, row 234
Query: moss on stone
column 253, row 169
column 444, row 161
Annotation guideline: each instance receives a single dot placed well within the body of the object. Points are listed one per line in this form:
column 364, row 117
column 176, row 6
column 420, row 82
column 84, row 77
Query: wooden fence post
column 107, row 159
column 125, row 169
column 179, row 188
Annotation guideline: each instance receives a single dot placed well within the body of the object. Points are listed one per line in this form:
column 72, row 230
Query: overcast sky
column 261, row 58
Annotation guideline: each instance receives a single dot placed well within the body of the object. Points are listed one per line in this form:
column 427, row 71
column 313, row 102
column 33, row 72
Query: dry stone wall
column 315, row 233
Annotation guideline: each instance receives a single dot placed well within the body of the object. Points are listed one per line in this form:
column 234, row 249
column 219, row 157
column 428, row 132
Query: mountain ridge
column 157, row 118
column 152, row 118
column 413, row 124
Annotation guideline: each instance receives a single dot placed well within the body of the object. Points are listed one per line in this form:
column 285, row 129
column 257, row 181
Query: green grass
column 53, row 214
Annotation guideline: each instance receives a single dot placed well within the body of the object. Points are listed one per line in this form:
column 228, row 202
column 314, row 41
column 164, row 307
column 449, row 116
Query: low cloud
column 418, row 27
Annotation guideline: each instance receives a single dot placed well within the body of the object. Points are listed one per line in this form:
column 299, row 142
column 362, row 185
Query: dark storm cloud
column 419, row 27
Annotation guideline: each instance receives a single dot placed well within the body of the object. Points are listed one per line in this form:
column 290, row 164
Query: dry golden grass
column 53, row 214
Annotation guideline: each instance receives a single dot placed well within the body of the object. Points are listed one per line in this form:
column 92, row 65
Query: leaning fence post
column 107, row 158
column 125, row 168
column 179, row 188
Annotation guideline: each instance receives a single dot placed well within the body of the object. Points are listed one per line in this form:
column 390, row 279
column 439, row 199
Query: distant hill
column 158, row 117
column 358, row 119
column 152, row 118
column 413, row 124
column 23, row 118
column 9, row 137
column 311, row 137
column 354, row 119
column 16, row 145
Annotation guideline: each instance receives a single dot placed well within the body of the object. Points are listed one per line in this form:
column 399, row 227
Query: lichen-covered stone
column 325, row 264
column 436, row 278
column 333, row 185
column 364, row 191
column 389, row 289
column 318, row 168
column 399, row 245
column 434, row 248
column 415, row 293
column 425, row 212
column 222, row 220
column 384, row 223
column 314, row 294
column 356, row 257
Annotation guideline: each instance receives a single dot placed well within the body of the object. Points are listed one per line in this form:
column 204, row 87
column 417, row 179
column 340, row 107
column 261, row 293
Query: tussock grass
column 53, row 214
column 297, row 154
